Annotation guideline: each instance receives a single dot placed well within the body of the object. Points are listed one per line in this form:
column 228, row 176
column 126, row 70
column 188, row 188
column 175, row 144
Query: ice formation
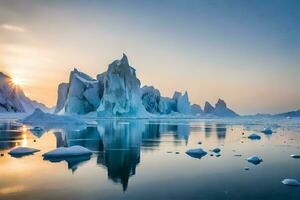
column 254, row 136
column 196, row 153
column 254, row 160
column 267, row 131
column 13, row 99
column 22, row 151
column 291, row 182
column 67, row 152
column 216, row 150
column 38, row 117
column 295, row 155
column 118, row 92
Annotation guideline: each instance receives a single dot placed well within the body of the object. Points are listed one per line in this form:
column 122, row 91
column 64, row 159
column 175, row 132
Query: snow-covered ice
column 39, row 118
column 62, row 152
column 291, row 182
column 22, row 151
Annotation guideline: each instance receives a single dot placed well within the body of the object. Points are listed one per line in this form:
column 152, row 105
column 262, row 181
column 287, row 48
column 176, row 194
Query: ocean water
column 146, row 159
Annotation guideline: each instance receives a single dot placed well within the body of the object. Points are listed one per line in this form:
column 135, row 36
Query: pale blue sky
column 246, row 52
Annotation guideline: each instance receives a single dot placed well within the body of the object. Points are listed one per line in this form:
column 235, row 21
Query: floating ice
column 196, row 153
column 216, row 150
column 267, row 131
column 38, row 117
column 291, row 182
column 254, row 137
column 295, row 155
column 62, row 152
column 254, row 160
column 22, row 151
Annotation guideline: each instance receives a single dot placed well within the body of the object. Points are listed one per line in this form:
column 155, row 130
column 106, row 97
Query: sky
column 246, row 52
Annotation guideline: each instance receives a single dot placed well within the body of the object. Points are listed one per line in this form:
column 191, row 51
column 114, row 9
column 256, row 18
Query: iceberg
column 62, row 95
column 295, row 155
column 151, row 99
column 208, row 108
column 254, row 160
column 254, row 137
column 122, row 92
column 183, row 104
column 63, row 152
column 196, row 109
column 221, row 110
column 38, row 117
column 291, row 182
column 22, row 151
column 196, row 153
column 267, row 131
column 166, row 105
column 216, row 150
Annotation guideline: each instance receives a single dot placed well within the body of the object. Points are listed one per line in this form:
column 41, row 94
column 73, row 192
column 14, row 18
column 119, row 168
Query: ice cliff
column 118, row 92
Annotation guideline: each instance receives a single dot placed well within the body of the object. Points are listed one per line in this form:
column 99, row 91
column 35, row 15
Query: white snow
column 67, row 152
column 290, row 182
column 22, row 151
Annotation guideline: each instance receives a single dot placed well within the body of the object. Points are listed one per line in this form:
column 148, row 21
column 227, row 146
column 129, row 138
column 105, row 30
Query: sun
column 17, row 81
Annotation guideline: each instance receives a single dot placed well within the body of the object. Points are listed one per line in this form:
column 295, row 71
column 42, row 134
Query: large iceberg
column 13, row 99
column 117, row 92
column 151, row 99
column 122, row 92
column 221, row 110
column 83, row 95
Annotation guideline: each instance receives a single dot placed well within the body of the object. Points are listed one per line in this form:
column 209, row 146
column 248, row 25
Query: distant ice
column 196, row 153
column 22, row 151
column 295, row 155
column 254, row 160
column 254, row 137
column 39, row 118
column 291, row 182
column 267, row 131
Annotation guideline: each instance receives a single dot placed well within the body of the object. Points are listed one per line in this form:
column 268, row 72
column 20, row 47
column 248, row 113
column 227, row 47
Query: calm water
column 142, row 159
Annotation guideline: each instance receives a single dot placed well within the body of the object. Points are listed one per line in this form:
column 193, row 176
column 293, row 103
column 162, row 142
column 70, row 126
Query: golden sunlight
column 17, row 81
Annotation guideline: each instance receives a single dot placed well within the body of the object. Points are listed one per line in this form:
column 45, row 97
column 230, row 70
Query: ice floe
column 22, row 151
column 291, row 182
column 63, row 152
column 196, row 153
column 254, row 137
column 267, row 131
column 216, row 150
column 254, row 160
column 295, row 155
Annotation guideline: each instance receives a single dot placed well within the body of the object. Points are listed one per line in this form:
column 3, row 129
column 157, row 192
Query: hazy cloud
column 10, row 27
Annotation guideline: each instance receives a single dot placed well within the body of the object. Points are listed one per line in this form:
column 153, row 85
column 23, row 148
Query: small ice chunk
column 246, row 168
column 67, row 152
column 295, row 155
column 254, row 136
column 254, row 160
column 216, row 150
column 291, row 182
column 36, row 128
column 196, row 153
column 22, row 151
column 267, row 131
